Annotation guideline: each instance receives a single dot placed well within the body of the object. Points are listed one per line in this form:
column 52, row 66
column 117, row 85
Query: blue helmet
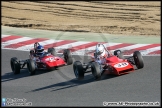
column 40, row 49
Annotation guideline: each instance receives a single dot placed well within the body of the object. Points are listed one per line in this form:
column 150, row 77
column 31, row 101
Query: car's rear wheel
column 119, row 54
column 95, row 68
column 31, row 66
column 138, row 59
column 52, row 51
column 78, row 70
column 68, row 57
column 15, row 66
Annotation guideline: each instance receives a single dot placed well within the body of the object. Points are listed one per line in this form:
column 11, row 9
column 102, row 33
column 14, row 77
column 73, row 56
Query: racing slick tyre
column 119, row 54
column 95, row 68
column 138, row 59
column 68, row 57
column 78, row 70
column 15, row 66
column 52, row 51
column 31, row 66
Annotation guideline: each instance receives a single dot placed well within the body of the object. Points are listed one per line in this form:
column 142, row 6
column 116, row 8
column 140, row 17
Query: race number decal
column 121, row 65
column 51, row 59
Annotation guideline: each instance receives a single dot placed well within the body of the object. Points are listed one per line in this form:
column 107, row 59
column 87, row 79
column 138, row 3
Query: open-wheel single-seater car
column 48, row 61
column 116, row 64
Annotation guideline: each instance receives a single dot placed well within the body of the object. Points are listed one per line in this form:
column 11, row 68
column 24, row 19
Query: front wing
column 120, row 68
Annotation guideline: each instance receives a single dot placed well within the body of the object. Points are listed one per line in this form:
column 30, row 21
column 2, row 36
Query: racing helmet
column 40, row 49
column 100, row 50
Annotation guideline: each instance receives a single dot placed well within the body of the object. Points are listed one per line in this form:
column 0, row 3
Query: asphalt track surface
column 60, row 87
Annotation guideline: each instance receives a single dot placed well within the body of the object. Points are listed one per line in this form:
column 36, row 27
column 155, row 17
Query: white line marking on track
column 30, row 46
column 149, row 50
column 133, row 46
column 83, row 51
column 14, row 41
column 70, row 45
column 2, row 36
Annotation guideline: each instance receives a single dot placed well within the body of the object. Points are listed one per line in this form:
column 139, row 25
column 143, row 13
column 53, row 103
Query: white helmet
column 100, row 50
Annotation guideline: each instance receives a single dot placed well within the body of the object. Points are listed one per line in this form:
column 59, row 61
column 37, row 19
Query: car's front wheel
column 15, row 66
column 95, row 68
column 68, row 57
column 78, row 70
column 138, row 59
column 31, row 66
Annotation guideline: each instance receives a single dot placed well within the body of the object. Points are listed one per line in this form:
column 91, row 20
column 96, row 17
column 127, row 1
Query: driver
column 101, row 54
column 39, row 51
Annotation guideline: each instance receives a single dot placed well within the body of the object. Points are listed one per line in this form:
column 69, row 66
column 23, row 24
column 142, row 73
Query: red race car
column 48, row 60
column 115, row 64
